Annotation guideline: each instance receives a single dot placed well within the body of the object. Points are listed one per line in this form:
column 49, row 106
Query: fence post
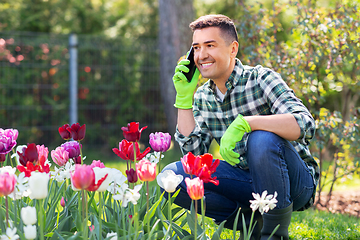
column 73, row 78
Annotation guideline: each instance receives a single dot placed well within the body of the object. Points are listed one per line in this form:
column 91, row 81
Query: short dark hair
column 223, row 22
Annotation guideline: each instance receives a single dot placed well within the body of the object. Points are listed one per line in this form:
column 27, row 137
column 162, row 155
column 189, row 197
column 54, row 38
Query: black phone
column 191, row 65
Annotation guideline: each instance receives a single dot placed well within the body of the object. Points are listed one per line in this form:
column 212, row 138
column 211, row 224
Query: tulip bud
column 131, row 175
column 28, row 215
column 62, row 202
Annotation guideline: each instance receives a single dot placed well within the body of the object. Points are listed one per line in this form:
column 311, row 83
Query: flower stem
column 203, row 213
column 136, row 222
column 100, row 213
column 196, row 207
column 41, row 220
column 81, row 155
column 84, row 201
column 147, row 206
column 170, row 215
column 7, row 212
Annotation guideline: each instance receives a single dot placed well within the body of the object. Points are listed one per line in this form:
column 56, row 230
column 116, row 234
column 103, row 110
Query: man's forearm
column 185, row 121
column 284, row 125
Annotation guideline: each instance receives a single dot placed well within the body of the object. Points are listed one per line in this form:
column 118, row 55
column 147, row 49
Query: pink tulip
column 62, row 202
column 83, row 176
column 7, row 183
column 60, row 156
column 146, row 170
column 195, row 188
column 160, row 142
column 97, row 163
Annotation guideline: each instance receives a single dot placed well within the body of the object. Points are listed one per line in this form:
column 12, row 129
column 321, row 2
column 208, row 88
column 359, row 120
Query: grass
column 309, row 224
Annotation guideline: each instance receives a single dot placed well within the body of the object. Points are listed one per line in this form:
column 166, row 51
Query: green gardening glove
column 233, row 134
column 184, row 89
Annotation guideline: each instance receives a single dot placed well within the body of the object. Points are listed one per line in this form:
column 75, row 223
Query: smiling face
column 214, row 56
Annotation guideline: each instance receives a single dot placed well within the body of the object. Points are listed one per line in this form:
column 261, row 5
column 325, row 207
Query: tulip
column 102, row 178
column 131, row 175
column 64, row 133
column 77, row 131
column 30, row 231
column 146, row 170
column 168, row 180
column 7, row 140
column 38, row 185
column 62, row 202
column 195, row 188
column 60, row 156
column 73, row 148
column 43, row 153
column 7, row 183
column 204, row 167
column 28, row 215
column 82, row 177
column 126, row 151
column 188, row 163
column 97, row 163
column 28, row 154
column 160, row 142
column 131, row 132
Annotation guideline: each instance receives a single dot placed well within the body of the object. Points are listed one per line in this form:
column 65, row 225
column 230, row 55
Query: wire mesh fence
column 117, row 83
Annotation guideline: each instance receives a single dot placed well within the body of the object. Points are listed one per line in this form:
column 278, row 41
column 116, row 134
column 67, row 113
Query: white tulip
column 30, row 231
column 28, row 215
column 168, row 180
column 38, row 185
column 100, row 173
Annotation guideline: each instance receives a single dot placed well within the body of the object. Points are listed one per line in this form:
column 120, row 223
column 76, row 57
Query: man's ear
column 234, row 48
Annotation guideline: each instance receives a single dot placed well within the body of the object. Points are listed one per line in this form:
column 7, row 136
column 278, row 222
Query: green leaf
column 217, row 233
column 152, row 210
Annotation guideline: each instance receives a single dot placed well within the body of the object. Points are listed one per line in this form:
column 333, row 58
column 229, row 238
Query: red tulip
column 29, row 154
column 2, row 157
column 195, row 188
column 77, row 131
column 64, row 133
column 146, row 170
column 7, row 183
column 204, row 167
column 132, row 132
column 126, row 151
column 131, row 175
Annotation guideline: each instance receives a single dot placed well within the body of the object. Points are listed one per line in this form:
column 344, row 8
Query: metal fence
column 117, row 83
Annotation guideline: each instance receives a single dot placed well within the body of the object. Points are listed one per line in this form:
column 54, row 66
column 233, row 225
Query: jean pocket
column 301, row 199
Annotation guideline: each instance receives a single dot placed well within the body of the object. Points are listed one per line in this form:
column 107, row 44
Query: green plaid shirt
column 250, row 91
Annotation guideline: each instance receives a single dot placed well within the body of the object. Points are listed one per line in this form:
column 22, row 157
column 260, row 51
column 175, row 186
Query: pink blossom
column 160, row 142
column 60, row 156
column 7, row 140
column 7, row 183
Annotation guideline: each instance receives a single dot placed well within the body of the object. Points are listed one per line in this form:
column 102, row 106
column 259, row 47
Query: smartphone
column 191, row 65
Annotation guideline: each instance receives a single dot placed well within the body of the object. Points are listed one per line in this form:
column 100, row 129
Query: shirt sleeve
column 199, row 140
column 283, row 100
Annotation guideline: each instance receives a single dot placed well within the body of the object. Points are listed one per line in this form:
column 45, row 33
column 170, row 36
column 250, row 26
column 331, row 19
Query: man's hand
column 184, row 89
column 232, row 135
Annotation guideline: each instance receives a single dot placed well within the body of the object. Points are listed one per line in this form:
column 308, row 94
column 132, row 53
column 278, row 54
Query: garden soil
column 344, row 202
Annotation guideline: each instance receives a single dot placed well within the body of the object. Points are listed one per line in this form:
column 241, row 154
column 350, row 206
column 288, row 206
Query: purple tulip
column 7, row 140
column 160, row 142
column 73, row 147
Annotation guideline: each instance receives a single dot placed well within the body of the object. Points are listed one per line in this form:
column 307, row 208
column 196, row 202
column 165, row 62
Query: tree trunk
column 175, row 38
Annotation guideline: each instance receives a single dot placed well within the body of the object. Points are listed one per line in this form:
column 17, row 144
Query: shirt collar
column 234, row 77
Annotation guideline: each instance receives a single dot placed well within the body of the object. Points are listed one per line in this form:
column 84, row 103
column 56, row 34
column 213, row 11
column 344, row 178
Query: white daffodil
column 168, row 180
column 28, row 215
column 154, row 157
column 10, row 235
column 64, row 172
column 117, row 181
column 30, row 231
column 264, row 202
column 129, row 195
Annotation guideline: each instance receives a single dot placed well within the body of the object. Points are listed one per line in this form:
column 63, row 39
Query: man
column 262, row 128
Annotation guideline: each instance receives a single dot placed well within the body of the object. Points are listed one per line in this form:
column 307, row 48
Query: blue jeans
column 274, row 165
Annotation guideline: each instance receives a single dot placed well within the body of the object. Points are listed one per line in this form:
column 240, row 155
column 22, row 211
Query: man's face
column 213, row 56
